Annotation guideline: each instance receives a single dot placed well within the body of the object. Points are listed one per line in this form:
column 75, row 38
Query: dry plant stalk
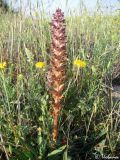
column 57, row 71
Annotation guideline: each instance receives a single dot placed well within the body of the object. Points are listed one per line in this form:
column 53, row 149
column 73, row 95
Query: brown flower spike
column 57, row 63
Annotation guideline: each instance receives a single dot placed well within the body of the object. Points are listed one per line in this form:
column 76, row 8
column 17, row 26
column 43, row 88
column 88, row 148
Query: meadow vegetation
column 90, row 119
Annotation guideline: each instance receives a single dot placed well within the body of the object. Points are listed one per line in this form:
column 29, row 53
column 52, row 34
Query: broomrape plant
column 57, row 63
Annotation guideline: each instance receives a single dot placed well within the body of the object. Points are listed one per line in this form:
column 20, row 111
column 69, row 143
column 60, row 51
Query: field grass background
column 89, row 110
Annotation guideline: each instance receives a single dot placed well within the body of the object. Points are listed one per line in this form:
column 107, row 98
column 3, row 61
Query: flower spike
column 57, row 62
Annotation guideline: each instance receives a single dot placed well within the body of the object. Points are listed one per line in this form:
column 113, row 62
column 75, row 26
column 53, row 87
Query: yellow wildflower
column 79, row 63
column 40, row 65
column 20, row 76
column 3, row 65
column 39, row 129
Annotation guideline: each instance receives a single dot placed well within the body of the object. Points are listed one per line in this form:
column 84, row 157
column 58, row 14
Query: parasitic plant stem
column 57, row 71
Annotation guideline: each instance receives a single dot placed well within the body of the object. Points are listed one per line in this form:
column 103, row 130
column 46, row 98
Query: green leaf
column 93, row 69
column 57, row 151
column 65, row 155
column 10, row 149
